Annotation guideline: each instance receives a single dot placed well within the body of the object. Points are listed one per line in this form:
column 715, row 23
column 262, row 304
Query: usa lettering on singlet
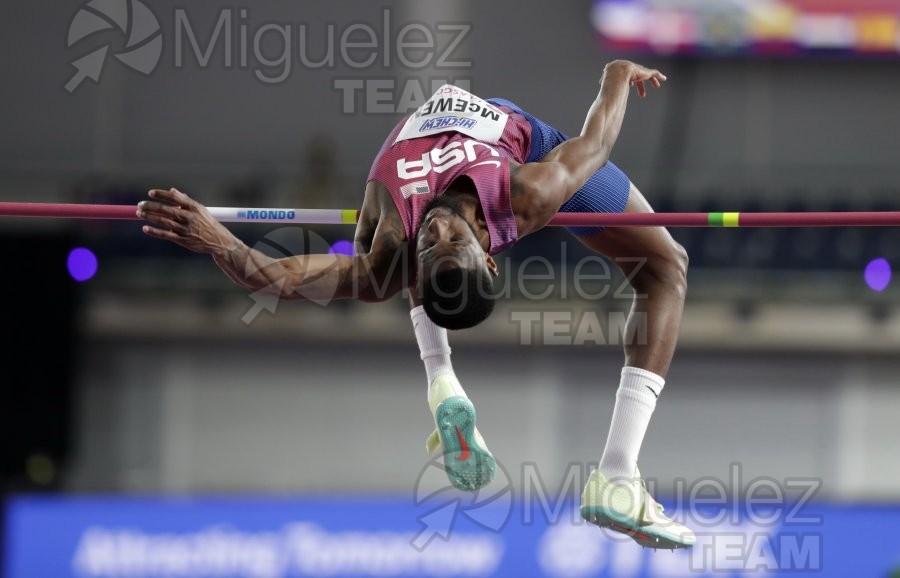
column 426, row 152
column 453, row 109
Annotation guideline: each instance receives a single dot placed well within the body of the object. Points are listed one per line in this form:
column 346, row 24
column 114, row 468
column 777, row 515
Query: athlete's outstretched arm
column 583, row 155
column 175, row 217
column 553, row 180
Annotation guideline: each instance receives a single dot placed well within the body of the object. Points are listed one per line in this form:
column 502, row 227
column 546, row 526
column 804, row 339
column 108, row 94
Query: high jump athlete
column 457, row 181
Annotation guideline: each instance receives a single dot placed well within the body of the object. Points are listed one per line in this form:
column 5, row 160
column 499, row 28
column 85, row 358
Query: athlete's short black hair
column 458, row 297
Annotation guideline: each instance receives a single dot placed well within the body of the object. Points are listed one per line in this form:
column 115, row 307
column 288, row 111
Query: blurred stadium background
column 148, row 431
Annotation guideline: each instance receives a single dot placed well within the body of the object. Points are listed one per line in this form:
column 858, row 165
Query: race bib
column 452, row 108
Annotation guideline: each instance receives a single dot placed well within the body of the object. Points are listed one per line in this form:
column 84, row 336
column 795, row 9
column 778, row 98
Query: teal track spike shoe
column 467, row 461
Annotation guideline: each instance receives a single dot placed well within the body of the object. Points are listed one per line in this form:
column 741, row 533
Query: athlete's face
column 446, row 240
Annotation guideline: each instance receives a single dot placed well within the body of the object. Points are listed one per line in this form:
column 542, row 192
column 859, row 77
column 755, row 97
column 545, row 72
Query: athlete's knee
column 682, row 261
column 665, row 270
column 672, row 268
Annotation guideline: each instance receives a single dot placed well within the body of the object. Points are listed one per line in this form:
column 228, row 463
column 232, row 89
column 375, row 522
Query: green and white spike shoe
column 467, row 460
column 626, row 506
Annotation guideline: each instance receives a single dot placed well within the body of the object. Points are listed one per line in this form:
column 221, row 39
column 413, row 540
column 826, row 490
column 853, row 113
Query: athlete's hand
column 637, row 75
column 176, row 217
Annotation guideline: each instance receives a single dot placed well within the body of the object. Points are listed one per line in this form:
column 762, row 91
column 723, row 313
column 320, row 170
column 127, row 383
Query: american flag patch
column 415, row 188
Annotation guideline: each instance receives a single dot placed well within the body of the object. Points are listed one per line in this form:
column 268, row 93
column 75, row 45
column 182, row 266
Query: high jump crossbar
column 350, row 216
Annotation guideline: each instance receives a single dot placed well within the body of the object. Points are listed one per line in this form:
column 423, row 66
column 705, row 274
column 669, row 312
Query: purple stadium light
column 878, row 274
column 342, row 248
column 82, row 264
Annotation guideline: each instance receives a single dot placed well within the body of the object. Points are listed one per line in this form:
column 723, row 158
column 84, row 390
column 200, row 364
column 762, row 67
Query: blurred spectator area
column 761, row 250
column 747, row 287
column 765, row 251
column 766, row 263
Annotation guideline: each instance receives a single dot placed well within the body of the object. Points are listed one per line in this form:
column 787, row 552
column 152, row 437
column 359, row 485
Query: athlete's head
column 455, row 274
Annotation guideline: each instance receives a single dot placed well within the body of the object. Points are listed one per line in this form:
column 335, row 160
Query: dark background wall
column 733, row 126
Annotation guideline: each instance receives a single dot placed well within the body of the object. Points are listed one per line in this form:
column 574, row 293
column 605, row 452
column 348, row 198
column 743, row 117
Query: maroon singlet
column 462, row 135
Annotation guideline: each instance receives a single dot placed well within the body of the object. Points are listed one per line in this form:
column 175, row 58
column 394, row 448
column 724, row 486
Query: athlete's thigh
column 629, row 246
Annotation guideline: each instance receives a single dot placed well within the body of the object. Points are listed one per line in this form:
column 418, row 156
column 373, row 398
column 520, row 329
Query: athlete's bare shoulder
column 530, row 194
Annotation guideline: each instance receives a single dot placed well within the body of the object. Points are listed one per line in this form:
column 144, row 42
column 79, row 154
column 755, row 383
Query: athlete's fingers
column 161, row 196
column 171, row 211
column 163, row 222
column 648, row 74
column 160, row 233
column 655, row 82
column 173, row 196
column 642, row 91
column 154, row 207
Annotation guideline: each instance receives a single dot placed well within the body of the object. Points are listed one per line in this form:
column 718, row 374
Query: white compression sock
column 635, row 402
column 434, row 349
